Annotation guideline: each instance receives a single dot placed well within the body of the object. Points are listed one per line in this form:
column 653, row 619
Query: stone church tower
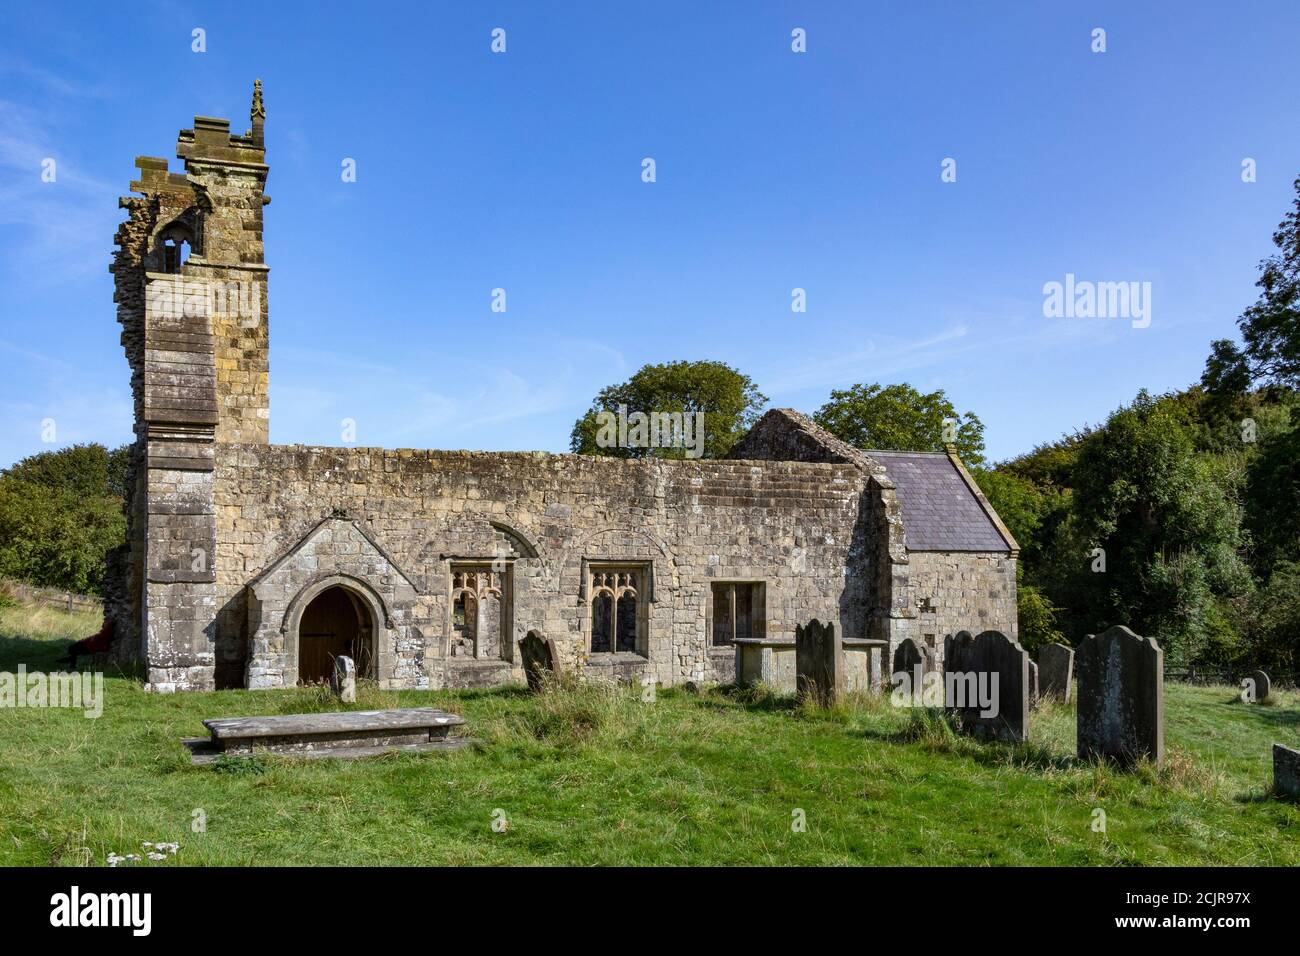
column 191, row 298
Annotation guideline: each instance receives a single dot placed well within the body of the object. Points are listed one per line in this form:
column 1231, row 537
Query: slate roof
column 939, row 511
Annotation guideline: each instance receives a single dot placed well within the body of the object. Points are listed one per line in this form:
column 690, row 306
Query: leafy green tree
column 89, row 469
column 900, row 417
column 1031, row 511
column 57, row 537
column 1272, row 498
column 1036, row 625
column 1270, row 329
column 1273, row 629
column 60, row 512
column 1169, row 523
column 728, row 399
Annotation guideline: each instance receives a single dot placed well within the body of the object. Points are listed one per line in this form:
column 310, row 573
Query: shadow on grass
column 36, row 655
column 939, row 731
column 760, row 698
column 1271, row 712
column 42, row 657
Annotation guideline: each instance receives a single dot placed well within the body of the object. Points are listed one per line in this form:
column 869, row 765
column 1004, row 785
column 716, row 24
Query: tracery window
column 618, row 616
column 480, row 611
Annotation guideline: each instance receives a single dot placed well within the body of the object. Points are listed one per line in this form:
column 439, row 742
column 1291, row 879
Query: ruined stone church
column 254, row 565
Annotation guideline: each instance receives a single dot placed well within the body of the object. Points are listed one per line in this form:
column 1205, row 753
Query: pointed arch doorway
column 336, row 622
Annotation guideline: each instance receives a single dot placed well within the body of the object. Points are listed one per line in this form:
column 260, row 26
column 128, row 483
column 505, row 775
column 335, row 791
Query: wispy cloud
column 59, row 226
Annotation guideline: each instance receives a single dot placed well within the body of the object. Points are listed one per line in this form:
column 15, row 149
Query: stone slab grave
column 864, row 661
column 345, row 735
column 1257, row 691
column 1286, row 772
column 540, row 658
column 1056, row 672
column 1121, row 709
column 994, row 669
column 818, row 663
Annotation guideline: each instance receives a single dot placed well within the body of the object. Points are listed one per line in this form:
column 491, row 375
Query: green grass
column 589, row 775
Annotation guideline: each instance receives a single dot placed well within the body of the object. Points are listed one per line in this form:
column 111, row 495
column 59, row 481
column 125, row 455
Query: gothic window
column 618, row 609
column 174, row 244
column 738, row 611
column 480, row 612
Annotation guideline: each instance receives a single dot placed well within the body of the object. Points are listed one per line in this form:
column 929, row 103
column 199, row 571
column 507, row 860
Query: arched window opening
column 480, row 612
column 618, row 610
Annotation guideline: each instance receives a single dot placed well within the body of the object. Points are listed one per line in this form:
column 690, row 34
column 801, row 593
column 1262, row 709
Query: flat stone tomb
column 349, row 735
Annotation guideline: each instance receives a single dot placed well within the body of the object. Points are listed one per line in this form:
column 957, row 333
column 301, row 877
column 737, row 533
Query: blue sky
column 775, row 170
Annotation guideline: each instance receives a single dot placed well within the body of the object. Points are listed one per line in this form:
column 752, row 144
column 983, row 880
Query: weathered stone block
column 1256, row 687
column 540, row 658
column 1286, row 772
column 1056, row 671
column 988, row 680
column 819, row 663
column 1121, row 709
column 344, row 683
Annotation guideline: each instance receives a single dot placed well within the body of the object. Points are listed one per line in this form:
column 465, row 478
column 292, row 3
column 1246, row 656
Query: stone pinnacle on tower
column 258, row 114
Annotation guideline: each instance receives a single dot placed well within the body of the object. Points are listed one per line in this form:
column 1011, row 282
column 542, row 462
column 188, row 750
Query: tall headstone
column 1056, row 671
column 986, row 679
column 1286, row 772
column 1033, row 683
column 1258, row 688
column 344, row 682
column 818, row 663
column 540, row 658
column 1121, row 711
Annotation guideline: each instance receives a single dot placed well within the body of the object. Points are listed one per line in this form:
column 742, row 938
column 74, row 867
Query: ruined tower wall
column 194, row 332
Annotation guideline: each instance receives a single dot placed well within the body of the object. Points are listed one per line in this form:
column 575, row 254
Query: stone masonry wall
column 790, row 525
column 969, row 592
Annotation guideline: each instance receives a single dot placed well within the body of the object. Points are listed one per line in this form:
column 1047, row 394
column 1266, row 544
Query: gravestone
column 986, row 680
column 1033, row 684
column 1056, row 671
column 908, row 656
column 344, row 682
column 1286, row 772
column 911, row 661
column 818, row 663
column 540, row 658
column 1260, row 686
column 1121, row 710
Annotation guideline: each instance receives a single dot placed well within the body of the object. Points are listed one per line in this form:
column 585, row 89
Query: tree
column 57, row 537
column 1169, row 525
column 1270, row 329
column 899, row 417
column 60, row 512
column 728, row 400
column 89, row 469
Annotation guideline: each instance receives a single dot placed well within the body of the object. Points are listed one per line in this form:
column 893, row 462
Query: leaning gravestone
column 987, row 678
column 1056, row 671
column 540, row 658
column 1286, row 771
column 1257, row 691
column 818, row 663
column 344, row 683
column 1121, row 710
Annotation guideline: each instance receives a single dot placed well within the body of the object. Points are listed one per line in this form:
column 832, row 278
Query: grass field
column 595, row 776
